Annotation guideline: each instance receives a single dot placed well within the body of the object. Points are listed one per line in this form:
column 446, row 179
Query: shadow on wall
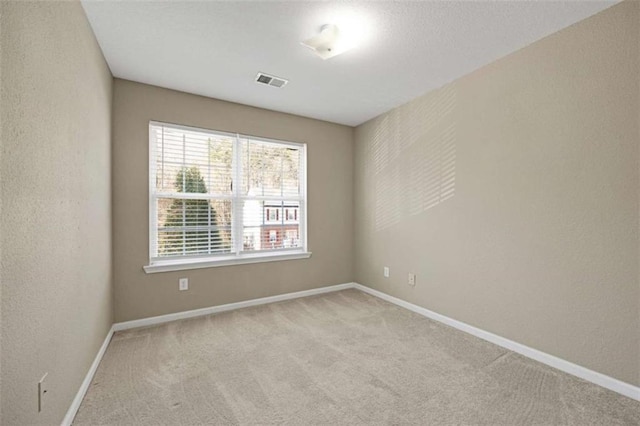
column 411, row 161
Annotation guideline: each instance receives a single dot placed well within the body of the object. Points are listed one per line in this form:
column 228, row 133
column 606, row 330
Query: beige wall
column 538, row 242
column 330, row 204
column 55, row 227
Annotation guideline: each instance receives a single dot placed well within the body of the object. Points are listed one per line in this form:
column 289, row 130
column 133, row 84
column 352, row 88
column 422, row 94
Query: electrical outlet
column 386, row 272
column 42, row 391
column 183, row 284
column 412, row 279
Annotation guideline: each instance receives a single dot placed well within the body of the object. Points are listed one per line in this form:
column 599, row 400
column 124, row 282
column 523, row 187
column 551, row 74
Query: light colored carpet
column 339, row 358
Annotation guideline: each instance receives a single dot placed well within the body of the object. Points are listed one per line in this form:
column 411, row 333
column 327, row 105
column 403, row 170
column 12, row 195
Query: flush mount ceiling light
column 330, row 42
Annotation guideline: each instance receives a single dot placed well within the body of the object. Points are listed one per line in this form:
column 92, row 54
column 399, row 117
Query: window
column 291, row 238
column 217, row 198
column 272, row 214
column 292, row 214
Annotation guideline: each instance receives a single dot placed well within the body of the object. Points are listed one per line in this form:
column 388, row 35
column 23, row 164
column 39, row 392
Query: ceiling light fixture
column 330, row 42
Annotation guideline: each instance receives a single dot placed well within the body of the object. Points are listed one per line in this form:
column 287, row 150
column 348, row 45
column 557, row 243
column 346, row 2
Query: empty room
column 319, row 212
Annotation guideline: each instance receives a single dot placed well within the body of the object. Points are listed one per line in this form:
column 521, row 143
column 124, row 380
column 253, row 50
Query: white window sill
column 181, row 265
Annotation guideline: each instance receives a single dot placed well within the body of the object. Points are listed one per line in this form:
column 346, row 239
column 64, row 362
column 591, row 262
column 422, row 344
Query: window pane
column 267, row 227
column 270, row 169
column 191, row 226
column 191, row 161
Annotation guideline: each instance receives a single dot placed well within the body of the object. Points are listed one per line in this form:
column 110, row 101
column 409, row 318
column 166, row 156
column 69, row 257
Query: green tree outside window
column 197, row 219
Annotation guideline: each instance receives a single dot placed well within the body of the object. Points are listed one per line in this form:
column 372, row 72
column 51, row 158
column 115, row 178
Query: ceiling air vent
column 271, row 80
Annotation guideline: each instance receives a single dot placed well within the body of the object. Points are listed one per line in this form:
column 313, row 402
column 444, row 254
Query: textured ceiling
column 215, row 49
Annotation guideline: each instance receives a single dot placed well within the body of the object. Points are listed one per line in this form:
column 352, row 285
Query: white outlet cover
column 412, row 279
column 183, row 284
column 42, row 391
column 386, row 272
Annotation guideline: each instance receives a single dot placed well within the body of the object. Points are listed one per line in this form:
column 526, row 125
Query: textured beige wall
column 638, row 187
column 1, row 148
column 538, row 242
column 55, row 189
column 330, row 203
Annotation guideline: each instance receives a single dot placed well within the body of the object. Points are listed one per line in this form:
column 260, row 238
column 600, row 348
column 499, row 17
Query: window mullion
column 184, row 231
column 209, row 189
column 184, row 204
column 238, row 213
column 281, row 196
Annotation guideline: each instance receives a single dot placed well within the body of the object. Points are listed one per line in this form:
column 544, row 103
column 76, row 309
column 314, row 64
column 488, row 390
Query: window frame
column 238, row 256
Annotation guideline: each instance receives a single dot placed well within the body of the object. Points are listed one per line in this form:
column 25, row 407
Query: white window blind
column 220, row 196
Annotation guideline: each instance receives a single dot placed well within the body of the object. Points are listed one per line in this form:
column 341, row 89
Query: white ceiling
column 216, row 48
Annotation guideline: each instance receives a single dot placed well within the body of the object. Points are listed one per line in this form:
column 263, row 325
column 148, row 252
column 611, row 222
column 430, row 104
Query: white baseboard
column 228, row 307
column 75, row 404
column 600, row 379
